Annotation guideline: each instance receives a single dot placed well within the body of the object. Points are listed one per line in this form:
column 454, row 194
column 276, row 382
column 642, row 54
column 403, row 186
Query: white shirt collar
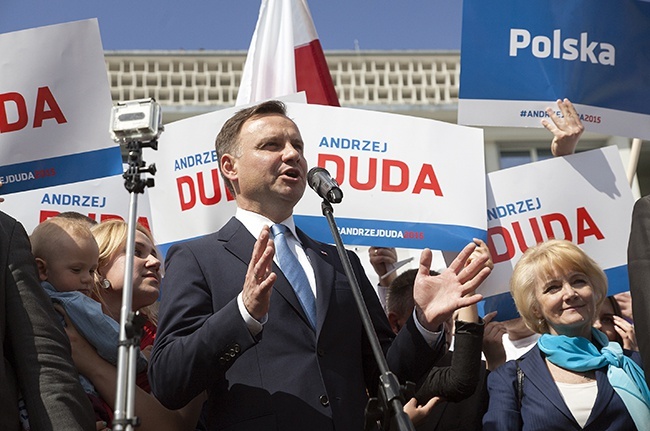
column 254, row 222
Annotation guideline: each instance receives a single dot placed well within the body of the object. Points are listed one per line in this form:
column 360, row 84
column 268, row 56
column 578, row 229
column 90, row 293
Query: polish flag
column 285, row 57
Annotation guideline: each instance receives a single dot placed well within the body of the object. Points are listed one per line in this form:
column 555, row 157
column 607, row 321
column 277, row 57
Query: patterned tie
column 294, row 272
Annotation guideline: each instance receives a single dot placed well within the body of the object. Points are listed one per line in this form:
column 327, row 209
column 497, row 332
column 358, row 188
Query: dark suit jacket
column 638, row 267
column 542, row 406
column 36, row 357
column 288, row 377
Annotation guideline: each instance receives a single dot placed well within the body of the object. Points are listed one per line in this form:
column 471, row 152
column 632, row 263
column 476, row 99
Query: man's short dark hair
column 227, row 141
column 399, row 297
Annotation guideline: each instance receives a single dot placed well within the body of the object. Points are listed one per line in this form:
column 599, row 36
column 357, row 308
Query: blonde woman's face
column 566, row 301
column 146, row 271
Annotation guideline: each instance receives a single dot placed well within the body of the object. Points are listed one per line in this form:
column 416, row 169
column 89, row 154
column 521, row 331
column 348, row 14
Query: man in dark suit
column 36, row 362
column 638, row 266
column 232, row 324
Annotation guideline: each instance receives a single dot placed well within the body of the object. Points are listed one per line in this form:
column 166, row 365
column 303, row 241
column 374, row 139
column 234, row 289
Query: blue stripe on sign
column 391, row 233
column 60, row 170
column 318, row 229
column 617, row 280
column 164, row 248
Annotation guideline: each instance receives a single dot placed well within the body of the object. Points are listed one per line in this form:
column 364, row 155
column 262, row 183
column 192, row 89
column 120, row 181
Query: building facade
column 419, row 83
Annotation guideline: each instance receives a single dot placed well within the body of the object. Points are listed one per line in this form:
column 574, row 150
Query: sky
column 229, row 24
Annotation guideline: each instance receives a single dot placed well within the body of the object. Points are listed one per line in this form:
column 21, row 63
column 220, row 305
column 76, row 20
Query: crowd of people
column 258, row 326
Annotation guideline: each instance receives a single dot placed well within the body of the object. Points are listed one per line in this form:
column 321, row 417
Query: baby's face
column 73, row 268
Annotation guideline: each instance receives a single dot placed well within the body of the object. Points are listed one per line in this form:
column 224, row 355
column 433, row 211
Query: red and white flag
column 285, row 57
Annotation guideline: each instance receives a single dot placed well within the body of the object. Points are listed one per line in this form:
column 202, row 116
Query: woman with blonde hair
column 574, row 378
column 111, row 237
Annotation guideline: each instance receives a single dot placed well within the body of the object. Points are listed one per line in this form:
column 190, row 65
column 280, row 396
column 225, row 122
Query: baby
column 67, row 257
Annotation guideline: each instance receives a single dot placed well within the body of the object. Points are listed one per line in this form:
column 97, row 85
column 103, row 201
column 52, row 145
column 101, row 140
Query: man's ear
column 42, row 269
column 228, row 167
column 393, row 319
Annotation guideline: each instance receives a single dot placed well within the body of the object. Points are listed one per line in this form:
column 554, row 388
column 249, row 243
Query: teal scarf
column 625, row 376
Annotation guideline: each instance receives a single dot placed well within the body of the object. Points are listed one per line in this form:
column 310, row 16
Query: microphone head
column 313, row 177
column 335, row 195
column 324, row 185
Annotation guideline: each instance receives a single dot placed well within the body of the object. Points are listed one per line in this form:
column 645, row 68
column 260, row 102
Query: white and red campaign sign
column 100, row 199
column 55, row 106
column 190, row 198
column 408, row 182
column 584, row 198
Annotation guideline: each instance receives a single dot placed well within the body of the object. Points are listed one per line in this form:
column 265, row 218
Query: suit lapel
column 604, row 397
column 536, row 373
column 239, row 241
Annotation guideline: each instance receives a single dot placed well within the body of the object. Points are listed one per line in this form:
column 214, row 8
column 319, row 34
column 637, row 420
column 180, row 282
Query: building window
column 510, row 158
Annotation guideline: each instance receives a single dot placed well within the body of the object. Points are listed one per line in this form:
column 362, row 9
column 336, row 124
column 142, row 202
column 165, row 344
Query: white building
column 419, row 83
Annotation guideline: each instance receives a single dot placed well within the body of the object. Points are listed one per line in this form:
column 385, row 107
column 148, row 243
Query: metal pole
column 391, row 407
column 124, row 397
column 634, row 160
column 130, row 322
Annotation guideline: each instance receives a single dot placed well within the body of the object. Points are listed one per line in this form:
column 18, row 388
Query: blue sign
column 594, row 52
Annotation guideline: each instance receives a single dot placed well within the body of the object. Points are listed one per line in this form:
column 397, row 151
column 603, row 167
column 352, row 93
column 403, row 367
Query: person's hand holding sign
column 566, row 129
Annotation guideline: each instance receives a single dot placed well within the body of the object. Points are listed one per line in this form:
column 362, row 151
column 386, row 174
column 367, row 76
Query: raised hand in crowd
column 624, row 301
column 481, row 252
column 626, row 331
column 495, row 353
column 437, row 297
column 383, row 260
column 458, row 378
column 566, row 128
column 611, row 322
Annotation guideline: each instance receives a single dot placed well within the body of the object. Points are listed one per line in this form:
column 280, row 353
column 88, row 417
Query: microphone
column 322, row 182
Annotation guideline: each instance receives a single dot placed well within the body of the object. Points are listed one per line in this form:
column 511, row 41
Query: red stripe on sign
column 313, row 76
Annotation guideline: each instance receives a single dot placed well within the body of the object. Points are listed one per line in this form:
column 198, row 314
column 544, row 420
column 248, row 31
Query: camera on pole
column 136, row 124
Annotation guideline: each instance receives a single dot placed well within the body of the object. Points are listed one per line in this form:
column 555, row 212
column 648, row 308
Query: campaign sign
column 584, row 198
column 100, row 199
column 55, row 106
column 519, row 57
column 407, row 182
column 190, row 198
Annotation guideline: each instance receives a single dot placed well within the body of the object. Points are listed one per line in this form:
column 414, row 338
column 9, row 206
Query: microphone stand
column 390, row 405
column 130, row 323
